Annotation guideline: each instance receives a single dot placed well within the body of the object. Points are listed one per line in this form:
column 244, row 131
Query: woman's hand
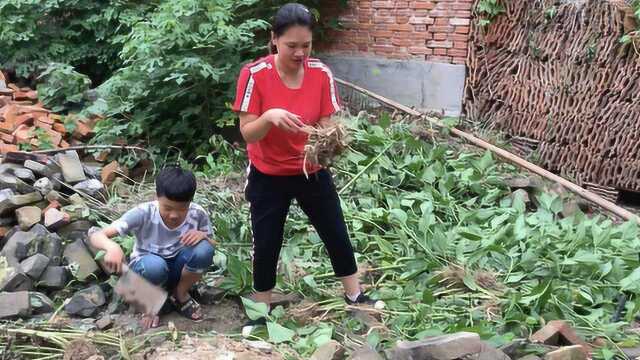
column 284, row 120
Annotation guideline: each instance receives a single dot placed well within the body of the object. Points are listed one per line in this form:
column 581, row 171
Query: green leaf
column 608, row 354
column 255, row 310
column 469, row 282
column 485, row 161
column 520, row 229
column 427, row 297
column 468, row 234
column 278, row 333
column 632, row 281
column 384, row 120
column 309, row 280
column 100, row 255
column 518, row 202
column 278, row 312
column 399, row 215
column 322, row 335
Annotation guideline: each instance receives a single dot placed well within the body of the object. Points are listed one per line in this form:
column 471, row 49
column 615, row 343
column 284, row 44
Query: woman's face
column 294, row 45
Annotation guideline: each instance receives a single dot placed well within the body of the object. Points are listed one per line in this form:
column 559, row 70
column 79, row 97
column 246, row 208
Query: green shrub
column 84, row 34
column 62, row 88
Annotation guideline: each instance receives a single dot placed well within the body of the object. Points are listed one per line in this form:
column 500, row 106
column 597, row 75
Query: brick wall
column 432, row 30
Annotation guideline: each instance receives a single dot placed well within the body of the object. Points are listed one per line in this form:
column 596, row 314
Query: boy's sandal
column 189, row 309
column 168, row 307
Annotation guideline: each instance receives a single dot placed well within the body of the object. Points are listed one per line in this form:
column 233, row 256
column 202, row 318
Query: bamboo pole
column 578, row 190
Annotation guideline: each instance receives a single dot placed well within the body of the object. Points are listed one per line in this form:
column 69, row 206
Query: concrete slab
column 420, row 84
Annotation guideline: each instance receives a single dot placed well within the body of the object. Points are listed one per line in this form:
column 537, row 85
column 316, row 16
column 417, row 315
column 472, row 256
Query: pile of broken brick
column 555, row 341
column 44, row 219
column 26, row 124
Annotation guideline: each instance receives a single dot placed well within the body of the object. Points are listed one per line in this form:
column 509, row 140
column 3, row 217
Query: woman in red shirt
column 276, row 97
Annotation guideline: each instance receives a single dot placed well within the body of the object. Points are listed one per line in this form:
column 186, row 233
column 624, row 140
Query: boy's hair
column 176, row 184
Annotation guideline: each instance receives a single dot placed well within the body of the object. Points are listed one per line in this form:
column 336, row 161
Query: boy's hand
column 113, row 258
column 192, row 237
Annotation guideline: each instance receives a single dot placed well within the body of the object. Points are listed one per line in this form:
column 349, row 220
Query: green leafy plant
column 180, row 67
column 62, row 88
column 551, row 12
column 44, row 139
column 83, row 34
column 443, row 237
column 488, row 10
column 633, row 38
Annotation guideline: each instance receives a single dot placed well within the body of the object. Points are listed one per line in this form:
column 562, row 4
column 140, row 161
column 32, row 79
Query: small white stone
column 379, row 305
column 246, row 331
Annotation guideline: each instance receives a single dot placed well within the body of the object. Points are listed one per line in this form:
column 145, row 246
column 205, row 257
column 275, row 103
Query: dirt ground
column 225, row 317
column 214, row 348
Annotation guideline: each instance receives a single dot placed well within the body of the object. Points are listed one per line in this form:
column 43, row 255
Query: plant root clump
column 325, row 144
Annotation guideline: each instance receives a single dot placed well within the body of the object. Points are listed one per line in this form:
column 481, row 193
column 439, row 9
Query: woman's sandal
column 189, row 309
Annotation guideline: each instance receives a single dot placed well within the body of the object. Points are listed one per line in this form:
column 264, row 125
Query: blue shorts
column 167, row 271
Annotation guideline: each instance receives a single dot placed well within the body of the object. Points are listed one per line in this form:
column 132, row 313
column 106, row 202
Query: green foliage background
column 165, row 71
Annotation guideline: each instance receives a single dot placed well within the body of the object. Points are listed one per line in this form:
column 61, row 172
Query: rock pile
column 43, row 231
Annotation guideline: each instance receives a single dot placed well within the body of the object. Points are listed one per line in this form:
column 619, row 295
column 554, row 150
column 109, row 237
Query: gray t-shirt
column 153, row 236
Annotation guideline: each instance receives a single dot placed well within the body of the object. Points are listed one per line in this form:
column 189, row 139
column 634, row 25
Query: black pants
column 270, row 198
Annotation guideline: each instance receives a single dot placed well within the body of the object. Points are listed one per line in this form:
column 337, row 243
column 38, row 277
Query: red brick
column 44, row 118
column 439, row 13
column 59, row 128
column 559, row 332
column 440, row 36
column 26, row 119
column 460, row 45
column 401, row 27
column 7, row 138
column 382, row 4
column 462, row 6
column 444, row 29
column 423, row 20
column 459, row 37
column 459, row 21
column 82, row 130
column 383, row 48
column 382, row 34
column 423, row 5
column 43, row 125
column 7, row 127
column 402, row 42
column 462, row 29
column 462, row 14
column 457, row 52
column 420, row 50
column 383, row 19
column 6, row 148
column 439, row 51
column 441, row 22
column 421, row 36
column 440, row 44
